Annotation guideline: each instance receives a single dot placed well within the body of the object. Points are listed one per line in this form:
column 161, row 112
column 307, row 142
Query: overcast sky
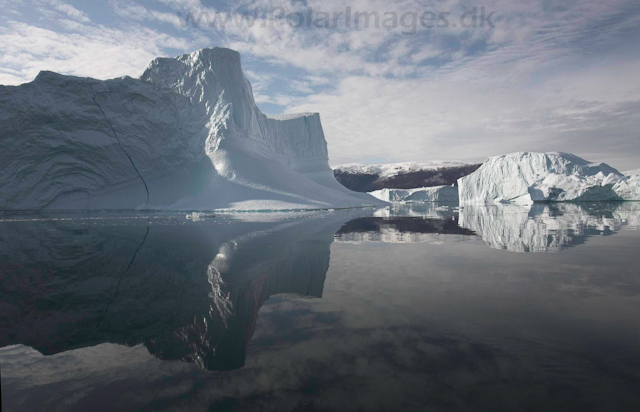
column 422, row 82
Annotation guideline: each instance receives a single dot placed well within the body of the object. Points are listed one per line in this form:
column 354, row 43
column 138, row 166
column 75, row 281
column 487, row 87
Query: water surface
column 412, row 307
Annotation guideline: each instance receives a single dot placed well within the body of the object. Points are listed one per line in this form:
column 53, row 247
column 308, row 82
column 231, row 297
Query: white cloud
column 369, row 118
column 66, row 9
column 131, row 10
column 535, row 81
column 80, row 49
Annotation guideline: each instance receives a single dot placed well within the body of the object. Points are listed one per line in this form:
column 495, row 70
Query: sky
column 404, row 81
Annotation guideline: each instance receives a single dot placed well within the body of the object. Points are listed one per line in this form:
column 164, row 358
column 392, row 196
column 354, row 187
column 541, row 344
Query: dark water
column 407, row 308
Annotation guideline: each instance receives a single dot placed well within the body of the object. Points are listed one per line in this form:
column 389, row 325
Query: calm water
column 420, row 307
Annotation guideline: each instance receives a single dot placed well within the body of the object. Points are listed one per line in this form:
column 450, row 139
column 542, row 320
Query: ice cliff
column 421, row 194
column 186, row 135
column 524, row 178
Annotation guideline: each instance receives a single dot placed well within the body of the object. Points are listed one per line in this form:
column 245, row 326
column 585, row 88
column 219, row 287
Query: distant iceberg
column 187, row 135
column 524, row 178
column 447, row 194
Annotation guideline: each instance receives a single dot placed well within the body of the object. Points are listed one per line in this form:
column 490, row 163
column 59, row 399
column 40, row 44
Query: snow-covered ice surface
column 547, row 227
column 526, row 177
column 447, row 194
column 187, row 135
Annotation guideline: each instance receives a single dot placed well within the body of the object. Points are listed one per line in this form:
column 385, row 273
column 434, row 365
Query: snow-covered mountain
column 527, row 177
column 186, row 135
column 368, row 178
column 447, row 194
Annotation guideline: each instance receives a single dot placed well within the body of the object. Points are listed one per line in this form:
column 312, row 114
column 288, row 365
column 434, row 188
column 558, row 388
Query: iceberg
column 447, row 194
column 526, row 177
column 186, row 135
column 628, row 188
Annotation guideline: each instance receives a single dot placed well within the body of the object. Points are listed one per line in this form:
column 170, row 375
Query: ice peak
column 49, row 77
column 46, row 74
column 202, row 58
column 211, row 53
column 210, row 78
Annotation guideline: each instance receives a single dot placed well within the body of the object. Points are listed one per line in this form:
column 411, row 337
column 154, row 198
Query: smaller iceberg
column 447, row 194
column 525, row 178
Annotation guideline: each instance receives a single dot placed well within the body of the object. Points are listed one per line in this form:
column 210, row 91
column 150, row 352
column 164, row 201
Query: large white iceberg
column 526, row 177
column 187, row 135
column 447, row 194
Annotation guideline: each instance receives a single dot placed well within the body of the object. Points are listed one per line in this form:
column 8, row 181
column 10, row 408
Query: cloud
column 446, row 118
column 81, row 49
column 66, row 9
column 541, row 76
column 131, row 10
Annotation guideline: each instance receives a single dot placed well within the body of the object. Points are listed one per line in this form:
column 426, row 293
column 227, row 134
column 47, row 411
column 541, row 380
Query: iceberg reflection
column 186, row 290
column 191, row 290
column 406, row 223
column 547, row 227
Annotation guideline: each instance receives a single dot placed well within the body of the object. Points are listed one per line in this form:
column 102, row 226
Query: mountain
column 527, row 177
column 186, row 135
column 368, row 178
